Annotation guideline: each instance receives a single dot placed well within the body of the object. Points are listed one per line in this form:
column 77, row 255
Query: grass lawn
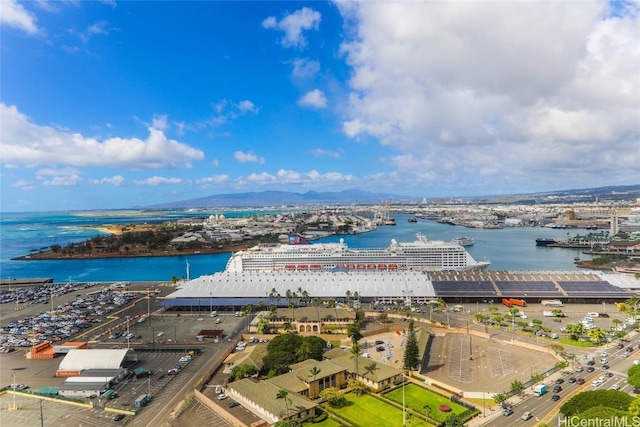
column 416, row 397
column 577, row 343
column 488, row 402
column 367, row 411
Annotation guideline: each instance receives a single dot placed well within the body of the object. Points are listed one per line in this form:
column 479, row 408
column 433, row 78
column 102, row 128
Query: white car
column 185, row 359
column 604, row 354
column 615, row 387
column 222, row 396
column 160, row 334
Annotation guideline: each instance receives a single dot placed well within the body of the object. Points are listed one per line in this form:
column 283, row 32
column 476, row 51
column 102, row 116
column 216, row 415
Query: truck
column 548, row 313
column 551, row 302
column 142, row 400
column 540, row 390
column 511, row 302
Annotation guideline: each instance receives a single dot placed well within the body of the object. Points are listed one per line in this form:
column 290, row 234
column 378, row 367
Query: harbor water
column 510, row 248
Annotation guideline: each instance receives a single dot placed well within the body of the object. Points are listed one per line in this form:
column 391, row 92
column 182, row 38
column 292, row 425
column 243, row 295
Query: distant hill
column 283, row 198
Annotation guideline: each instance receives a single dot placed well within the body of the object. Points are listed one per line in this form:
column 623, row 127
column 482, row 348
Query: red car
column 580, row 381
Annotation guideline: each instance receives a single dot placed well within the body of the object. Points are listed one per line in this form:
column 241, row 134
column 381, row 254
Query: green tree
column 517, row 386
column 633, row 376
column 613, row 399
column 358, row 387
column 313, row 372
column 355, row 354
column 453, row 420
column 353, row 332
column 311, row 347
column 333, row 397
column 500, row 398
column 411, row 359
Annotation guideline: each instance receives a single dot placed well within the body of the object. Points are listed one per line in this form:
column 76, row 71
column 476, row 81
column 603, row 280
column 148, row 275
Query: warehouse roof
column 81, row 359
column 319, row 284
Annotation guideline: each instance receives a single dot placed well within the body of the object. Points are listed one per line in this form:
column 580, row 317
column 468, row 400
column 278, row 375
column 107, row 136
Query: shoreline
column 47, row 256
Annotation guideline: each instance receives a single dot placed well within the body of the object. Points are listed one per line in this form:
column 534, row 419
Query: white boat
column 298, row 254
column 464, row 240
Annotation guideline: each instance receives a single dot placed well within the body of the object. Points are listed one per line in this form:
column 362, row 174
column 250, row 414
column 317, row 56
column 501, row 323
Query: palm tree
column 282, row 394
column 314, row 372
column 355, row 353
column 370, row 368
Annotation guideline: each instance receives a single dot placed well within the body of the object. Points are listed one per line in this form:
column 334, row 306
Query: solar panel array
column 593, row 289
column 463, row 288
column 525, row 289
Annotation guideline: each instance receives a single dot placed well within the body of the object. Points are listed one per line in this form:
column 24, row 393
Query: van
column 592, row 315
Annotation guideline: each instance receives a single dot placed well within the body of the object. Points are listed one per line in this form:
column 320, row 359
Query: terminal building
column 232, row 290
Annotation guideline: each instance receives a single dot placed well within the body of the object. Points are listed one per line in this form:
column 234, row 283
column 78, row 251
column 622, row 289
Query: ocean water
column 21, row 233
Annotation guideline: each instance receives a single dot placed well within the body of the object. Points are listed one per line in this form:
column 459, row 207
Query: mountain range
column 285, row 198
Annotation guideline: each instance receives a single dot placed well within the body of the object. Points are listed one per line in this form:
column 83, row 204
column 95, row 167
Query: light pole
column 210, row 303
column 404, row 412
column 127, row 332
column 13, row 374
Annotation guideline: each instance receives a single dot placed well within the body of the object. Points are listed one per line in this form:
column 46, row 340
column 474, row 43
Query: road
column 544, row 409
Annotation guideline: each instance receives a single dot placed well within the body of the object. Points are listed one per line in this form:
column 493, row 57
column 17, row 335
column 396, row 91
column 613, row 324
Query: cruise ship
column 300, row 255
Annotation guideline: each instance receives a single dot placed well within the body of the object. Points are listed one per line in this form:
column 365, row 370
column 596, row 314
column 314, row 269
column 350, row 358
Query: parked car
column 591, row 369
column 118, row 417
column 222, row 396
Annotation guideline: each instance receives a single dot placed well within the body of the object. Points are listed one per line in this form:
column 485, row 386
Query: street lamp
column 127, row 332
column 210, row 303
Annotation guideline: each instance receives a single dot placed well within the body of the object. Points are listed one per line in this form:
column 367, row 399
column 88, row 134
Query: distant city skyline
column 108, row 105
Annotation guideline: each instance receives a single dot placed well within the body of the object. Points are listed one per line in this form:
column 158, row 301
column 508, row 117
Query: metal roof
column 81, row 359
column 320, row 284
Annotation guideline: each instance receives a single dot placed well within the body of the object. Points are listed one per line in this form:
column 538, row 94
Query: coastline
column 107, row 229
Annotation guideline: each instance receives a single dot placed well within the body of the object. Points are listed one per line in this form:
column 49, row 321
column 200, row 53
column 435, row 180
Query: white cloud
column 319, row 152
column 247, row 107
column 29, row 144
column 293, row 25
column 159, row 180
column 14, row 15
column 64, row 180
column 212, row 180
column 314, row 99
column 304, row 68
column 249, row 157
column 116, row 181
column 524, row 93
column 311, row 179
column 97, row 29
column 24, row 185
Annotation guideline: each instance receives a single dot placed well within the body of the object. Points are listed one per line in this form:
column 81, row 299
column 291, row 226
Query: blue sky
column 115, row 104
